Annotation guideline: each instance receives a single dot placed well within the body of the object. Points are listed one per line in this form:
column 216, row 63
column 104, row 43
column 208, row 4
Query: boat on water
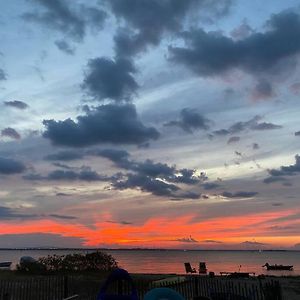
column 5, row 264
column 278, row 267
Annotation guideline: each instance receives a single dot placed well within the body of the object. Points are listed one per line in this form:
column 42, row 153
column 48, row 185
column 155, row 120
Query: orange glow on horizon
column 163, row 232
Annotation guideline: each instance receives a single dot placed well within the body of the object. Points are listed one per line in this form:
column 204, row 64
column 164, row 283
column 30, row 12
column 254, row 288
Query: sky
column 150, row 123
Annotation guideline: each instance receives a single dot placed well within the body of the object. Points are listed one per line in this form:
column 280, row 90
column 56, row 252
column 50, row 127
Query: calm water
column 170, row 261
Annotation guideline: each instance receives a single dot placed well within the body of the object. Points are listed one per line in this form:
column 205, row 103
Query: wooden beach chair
column 189, row 269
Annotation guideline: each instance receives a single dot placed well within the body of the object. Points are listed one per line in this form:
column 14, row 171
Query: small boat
column 278, row 267
column 5, row 264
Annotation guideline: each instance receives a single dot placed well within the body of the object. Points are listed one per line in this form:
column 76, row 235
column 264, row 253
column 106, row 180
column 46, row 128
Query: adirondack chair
column 188, row 268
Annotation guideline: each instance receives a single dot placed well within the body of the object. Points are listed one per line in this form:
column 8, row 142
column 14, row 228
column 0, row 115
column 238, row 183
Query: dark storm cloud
column 240, row 194
column 147, row 21
column 290, row 170
column 110, row 79
column 233, row 139
column 10, row 166
column 11, row 133
column 116, row 124
column 65, row 47
column 2, row 75
column 190, row 121
column 212, row 53
column 70, row 19
column 65, row 155
column 16, row 104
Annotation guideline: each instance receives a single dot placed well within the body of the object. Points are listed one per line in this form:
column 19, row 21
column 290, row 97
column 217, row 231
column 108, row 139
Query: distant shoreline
column 143, row 249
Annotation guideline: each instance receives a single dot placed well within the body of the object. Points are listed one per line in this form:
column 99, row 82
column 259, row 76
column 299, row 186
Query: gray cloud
column 252, row 243
column 70, row 20
column 110, row 79
column 233, row 139
column 147, row 21
column 221, row 132
column 210, row 185
column 11, row 133
column 65, row 47
column 147, row 184
column 2, row 75
column 39, row 240
column 252, row 124
column 85, row 174
column 10, row 166
column 63, row 217
column 65, row 156
column 263, row 90
column 116, row 124
column 265, row 126
column 297, row 133
column 242, row 31
column 211, row 53
column 212, row 242
column 151, row 169
column 186, row 240
column 7, row 213
column 273, row 179
column 115, row 155
column 290, row 170
column 190, row 121
column 156, row 178
column 120, row 222
column 240, row 194
column 16, row 104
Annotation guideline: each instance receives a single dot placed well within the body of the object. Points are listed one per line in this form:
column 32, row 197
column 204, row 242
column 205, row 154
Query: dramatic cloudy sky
column 150, row 123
